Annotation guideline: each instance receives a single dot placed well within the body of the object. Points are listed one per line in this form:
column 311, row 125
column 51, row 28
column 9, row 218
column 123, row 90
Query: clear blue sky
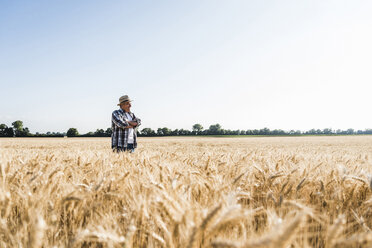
column 242, row 64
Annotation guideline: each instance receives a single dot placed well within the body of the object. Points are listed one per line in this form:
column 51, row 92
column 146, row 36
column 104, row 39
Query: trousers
column 129, row 148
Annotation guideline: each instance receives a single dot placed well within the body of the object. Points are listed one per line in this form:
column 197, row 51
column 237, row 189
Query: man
column 124, row 127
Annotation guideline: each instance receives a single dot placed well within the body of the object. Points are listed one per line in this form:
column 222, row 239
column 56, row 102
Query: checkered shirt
column 119, row 137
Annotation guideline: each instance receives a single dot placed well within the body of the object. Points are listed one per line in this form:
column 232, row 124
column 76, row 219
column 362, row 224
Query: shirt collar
column 121, row 110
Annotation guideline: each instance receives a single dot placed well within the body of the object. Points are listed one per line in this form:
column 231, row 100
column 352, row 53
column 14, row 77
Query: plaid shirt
column 119, row 137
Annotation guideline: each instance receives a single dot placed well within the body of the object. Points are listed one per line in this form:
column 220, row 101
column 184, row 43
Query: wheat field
column 187, row 192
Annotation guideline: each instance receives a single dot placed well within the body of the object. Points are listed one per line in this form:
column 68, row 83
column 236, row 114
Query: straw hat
column 124, row 98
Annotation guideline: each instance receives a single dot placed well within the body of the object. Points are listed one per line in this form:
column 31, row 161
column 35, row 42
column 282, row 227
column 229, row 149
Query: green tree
column 6, row 131
column 99, row 133
column 19, row 131
column 327, row 131
column 350, row 131
column 18, row 125
column 72, row 132
column 184, row 132
column 147, row 132
column 108, row 131
column 311, row 131
column 18, row 128
column 167, row 131
column 159, row 132
column 26, row 132
column 215, row 129
column 3, row 128
column 197, row 128
column 175, row 132
column 249, row 132
column 89, row 134
column 264, row 131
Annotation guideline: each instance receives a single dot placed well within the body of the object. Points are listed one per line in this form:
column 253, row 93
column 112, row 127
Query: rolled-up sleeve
column 119, row 122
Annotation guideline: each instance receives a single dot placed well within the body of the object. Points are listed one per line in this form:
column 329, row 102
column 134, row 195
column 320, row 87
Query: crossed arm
column 119, row 122
column 135, row 123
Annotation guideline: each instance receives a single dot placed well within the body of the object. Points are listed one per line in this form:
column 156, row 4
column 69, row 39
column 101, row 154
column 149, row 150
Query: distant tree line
column 17, row 130
column 216, row 129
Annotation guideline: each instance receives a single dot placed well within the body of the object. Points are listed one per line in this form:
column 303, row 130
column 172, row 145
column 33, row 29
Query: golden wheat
column 187, row 192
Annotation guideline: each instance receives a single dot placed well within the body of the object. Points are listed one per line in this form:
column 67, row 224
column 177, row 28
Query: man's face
column 126, row 106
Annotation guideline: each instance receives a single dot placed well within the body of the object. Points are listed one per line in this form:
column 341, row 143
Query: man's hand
column 132, row 123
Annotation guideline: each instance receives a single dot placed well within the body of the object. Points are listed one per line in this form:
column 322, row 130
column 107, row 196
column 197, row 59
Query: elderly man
column 124, row 127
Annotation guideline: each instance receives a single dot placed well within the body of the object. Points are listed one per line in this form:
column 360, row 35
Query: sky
column 243, row 64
